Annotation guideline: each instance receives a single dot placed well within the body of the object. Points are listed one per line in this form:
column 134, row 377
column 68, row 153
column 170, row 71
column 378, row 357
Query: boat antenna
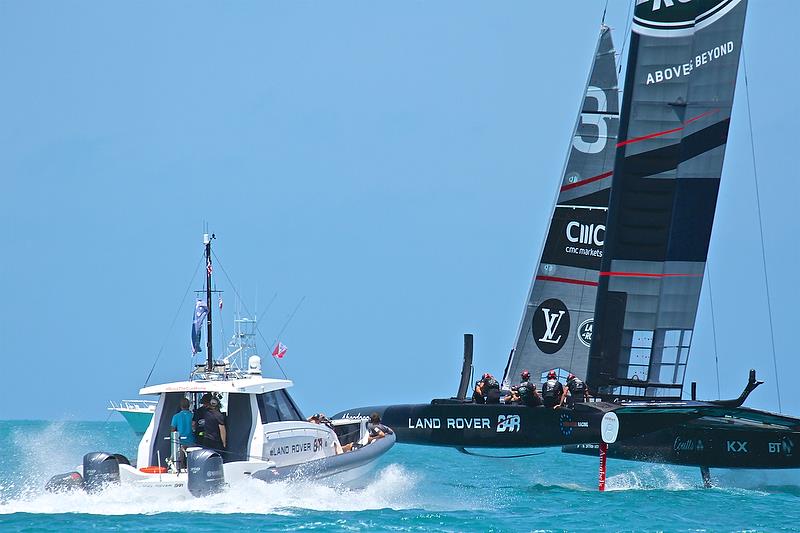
column 603, row 20
column 761, row 233
column 210, row 358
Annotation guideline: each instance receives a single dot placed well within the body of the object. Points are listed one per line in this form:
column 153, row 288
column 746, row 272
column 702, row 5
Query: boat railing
column 133, row 405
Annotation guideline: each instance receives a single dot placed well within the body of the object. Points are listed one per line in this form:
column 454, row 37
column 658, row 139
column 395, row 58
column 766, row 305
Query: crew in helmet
column 526, row 391
column 552, row 391
column 491, row 389
column 576, row 391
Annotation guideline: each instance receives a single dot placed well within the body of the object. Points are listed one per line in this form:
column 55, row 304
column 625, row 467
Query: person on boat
column 182, row 423
column 198, row 420
column 525, row 393
column 214, row 432
column 320, row 418
column 576, row 391
column 376, row 429
column 477, row 395
column 491, row 389
column 552, row 391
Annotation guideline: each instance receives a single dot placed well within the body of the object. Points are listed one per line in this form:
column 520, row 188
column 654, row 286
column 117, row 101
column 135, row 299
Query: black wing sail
column 556, row 327
column 676, row 110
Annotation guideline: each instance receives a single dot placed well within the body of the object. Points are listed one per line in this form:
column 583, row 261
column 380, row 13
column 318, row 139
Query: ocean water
column 413, row 489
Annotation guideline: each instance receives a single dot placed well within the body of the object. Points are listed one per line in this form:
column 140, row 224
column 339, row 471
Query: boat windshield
column 277, row 406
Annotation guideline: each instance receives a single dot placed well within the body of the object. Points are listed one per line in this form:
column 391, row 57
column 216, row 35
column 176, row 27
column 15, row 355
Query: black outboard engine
column 100, row 469
column 65, row 482
column 206, row 475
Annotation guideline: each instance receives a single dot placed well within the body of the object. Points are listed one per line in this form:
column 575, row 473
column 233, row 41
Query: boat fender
column 65, row 482
column 100, row 469
column 206, row 475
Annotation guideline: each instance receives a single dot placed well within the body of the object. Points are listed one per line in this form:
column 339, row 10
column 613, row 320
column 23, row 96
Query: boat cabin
column 248, row 404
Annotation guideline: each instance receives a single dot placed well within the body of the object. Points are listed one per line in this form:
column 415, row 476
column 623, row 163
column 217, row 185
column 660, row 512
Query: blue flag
column 200, row 312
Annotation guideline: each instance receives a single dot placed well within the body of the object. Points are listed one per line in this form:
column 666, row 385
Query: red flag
column 279, row 351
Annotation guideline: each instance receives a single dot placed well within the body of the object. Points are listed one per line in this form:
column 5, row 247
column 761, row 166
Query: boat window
column 277, row 406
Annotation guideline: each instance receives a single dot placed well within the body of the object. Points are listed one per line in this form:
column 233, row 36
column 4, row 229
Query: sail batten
column 556, row 325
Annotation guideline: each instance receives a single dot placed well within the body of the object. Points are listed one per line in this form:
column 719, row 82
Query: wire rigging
column 713, row 326
column 174, row 319
column 628, row 23
column 761, row 232
column 285, row 325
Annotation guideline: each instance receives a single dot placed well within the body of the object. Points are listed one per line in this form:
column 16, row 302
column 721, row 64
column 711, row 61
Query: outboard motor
column 100, row 469
column 206, row 475
column 65, row 482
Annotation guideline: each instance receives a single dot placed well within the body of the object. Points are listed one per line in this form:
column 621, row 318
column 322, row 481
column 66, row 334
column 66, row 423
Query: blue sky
column 393, row 163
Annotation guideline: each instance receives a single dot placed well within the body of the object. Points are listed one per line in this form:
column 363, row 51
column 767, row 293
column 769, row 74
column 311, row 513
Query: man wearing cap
column 576, row 391
column 526, row 391
column 552, row 391
column 214, row 434
column 198, row 420
column 491, row 389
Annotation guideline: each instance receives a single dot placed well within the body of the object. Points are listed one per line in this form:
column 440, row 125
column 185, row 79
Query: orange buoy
column 153, row 470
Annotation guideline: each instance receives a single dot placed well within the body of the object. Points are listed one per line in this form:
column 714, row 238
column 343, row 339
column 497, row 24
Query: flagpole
column 210, row 358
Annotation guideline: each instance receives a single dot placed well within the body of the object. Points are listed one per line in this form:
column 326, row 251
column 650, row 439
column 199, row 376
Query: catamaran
column 615, row 294
column 267, row 437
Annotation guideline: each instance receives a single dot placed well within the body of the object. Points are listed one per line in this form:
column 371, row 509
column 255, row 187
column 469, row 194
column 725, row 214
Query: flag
column 208, row 267
column 220, row 303
column 279, row 351
column 200, row 312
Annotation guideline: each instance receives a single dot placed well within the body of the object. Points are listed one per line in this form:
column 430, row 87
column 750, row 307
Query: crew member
column 552, row 391
column 198, row 420
column 214, row 432
column 491, row 389
column 478, row 394
column 526, row 391
column 576, row 391
column 376, row 429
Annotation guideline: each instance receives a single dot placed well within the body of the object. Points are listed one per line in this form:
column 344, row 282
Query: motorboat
column 267, row 436
column 137, row 413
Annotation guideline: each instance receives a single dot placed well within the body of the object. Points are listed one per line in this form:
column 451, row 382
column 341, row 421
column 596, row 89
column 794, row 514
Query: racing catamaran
column 615, row 295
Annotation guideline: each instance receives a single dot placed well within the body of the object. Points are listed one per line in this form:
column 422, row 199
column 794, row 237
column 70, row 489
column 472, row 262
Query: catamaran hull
column 461, row 424
column 708, row 443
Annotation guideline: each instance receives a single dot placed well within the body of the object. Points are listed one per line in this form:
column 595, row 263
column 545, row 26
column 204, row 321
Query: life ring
column 153, row 470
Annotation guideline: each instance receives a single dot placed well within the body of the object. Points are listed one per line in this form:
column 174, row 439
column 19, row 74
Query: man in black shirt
column 552, row 391
column 215, row 435
column 198, row 422
column 577, row 390
column 527, row 391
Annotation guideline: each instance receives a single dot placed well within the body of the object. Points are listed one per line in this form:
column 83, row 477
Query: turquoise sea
column 414, row 489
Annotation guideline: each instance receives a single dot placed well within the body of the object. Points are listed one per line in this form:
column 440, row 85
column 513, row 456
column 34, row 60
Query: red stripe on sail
column 567, row 280
column 666, row 132
column 649, row 275
column 586, row 181
column 651, row 136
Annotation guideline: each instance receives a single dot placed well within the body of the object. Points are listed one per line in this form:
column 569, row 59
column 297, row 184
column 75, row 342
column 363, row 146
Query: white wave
column 393, row 488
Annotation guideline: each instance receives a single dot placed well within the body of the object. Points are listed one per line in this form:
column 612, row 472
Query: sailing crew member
column 198, row 420
column 526, row 391
column 376, row 429
column 182, row 423
column 477, row 396
column 575, row 392
column 214, row 433
column 491, row 389
column 552, row 391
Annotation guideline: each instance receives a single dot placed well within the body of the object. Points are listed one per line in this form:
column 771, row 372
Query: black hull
column 463, row 424
column 709, row 442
